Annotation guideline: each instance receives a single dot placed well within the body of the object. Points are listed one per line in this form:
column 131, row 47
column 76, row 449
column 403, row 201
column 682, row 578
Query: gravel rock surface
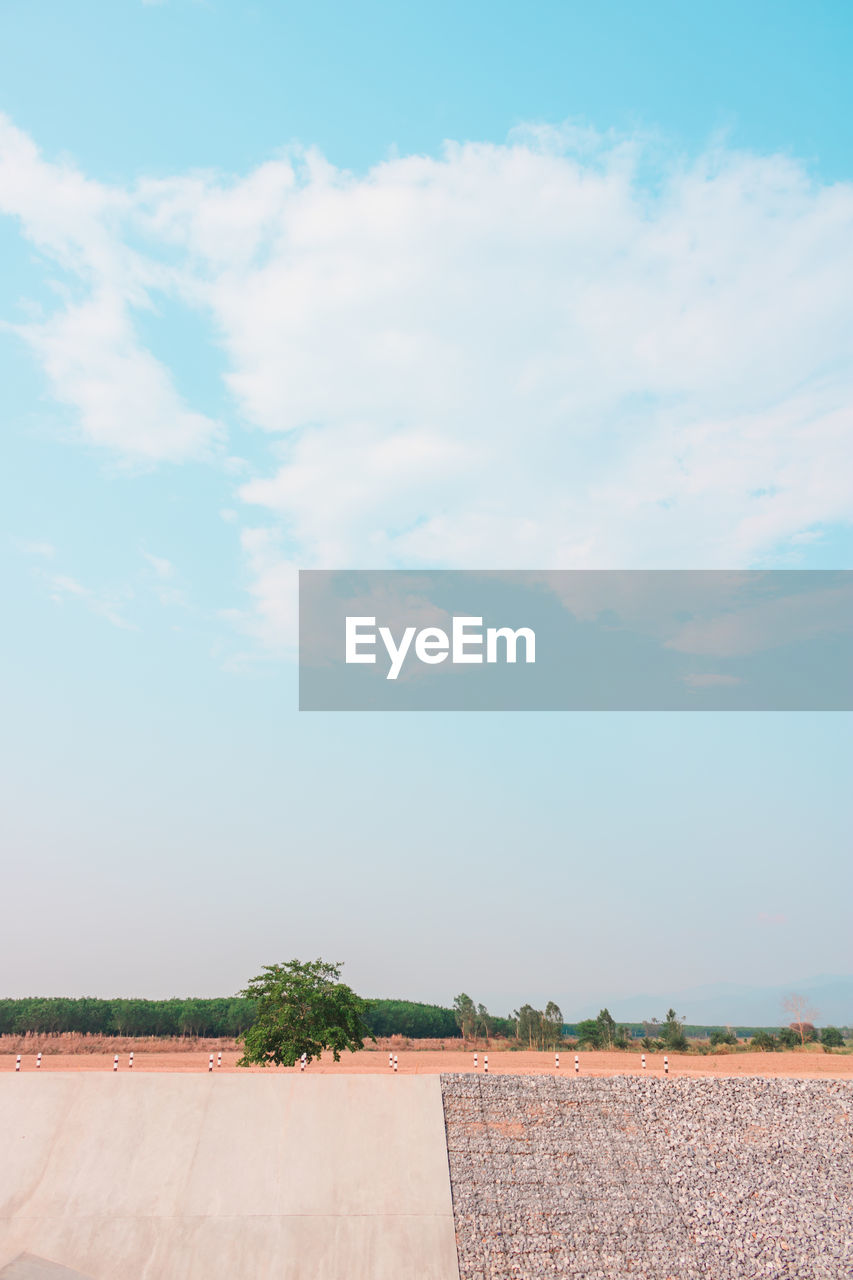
column 650, row 1179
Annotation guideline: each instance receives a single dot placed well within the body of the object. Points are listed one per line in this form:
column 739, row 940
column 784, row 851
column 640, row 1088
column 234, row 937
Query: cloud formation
column 124, row 398
column 561, row 352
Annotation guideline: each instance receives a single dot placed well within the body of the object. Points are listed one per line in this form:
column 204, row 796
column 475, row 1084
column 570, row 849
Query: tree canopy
column 302, row 1009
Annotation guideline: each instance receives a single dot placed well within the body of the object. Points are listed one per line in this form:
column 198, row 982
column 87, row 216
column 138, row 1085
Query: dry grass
column 73, row 1042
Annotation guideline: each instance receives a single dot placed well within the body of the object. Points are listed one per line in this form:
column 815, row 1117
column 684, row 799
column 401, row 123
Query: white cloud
column 162, row 567
column 62, row 587
column 507, row 356
column 273, row 586
column 757, row 625
column 124, row 397
column 511, row 357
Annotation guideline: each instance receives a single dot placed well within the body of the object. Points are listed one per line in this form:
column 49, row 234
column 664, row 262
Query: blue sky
column 558, row 287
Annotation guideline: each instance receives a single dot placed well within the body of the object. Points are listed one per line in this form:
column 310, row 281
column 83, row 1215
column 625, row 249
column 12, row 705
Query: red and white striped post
column 115, row 1063
column 395, row 1062
column 486, row 1064
column 219, row 1059
column 644, row 1062
column 475, row 1062
column 38, row 1058
column 130, row 1062
column 666, row 1066
column 210, row 1063
column 18, row 1063
column 577, row 1065
column 302, row 1062
column 390, row 1061
column 556, row 1062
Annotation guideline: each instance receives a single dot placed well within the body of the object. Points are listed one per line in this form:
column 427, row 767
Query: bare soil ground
column 415, row 1061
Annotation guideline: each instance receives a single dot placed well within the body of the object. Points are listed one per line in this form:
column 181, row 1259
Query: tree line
column 224, row 1017
column 531, row 1028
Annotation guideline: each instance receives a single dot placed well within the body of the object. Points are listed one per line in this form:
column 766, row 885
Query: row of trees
column 90, row 1016
column 537, row 1028
column 224, row 1017
column 604, row 1032
column 473, row 1021
column 791, row 1037
column 408, row 1018
column 533, row 1028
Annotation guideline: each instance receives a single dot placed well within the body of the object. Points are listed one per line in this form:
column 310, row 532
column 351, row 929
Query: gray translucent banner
column 453, row 640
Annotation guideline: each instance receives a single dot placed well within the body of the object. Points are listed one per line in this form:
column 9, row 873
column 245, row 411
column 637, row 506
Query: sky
column 556, row 286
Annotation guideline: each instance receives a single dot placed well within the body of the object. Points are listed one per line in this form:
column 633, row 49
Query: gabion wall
column 650, row 1179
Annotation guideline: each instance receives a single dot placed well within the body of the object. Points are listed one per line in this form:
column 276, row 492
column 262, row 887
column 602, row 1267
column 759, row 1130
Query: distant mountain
column 731, row 1003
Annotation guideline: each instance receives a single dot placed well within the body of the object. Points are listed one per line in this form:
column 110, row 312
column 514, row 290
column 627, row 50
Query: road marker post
column 210, row 1063
column 38, row 1059
column 219, row 1059
column 302, row 1062
column 18, row 1063
column 395, row 1062
column 666, row 1066
column 577, row 1065
column 130, row 1063
column 644, row 1062
column 486, row 1065
column 115, row 1063
column 556, row 1062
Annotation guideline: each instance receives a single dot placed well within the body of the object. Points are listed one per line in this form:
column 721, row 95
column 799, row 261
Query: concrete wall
column 179, row 1177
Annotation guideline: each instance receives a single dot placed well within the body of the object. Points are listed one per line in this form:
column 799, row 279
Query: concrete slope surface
column 179, row 1177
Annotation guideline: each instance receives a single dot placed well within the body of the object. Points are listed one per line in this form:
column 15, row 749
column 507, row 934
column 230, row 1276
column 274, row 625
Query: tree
column 552, row 1023
column 606, row 1029
column 672, row 1033
column 623, row 1037
column 799, row 1012
column 831, row 1038
column 765, row 1041
column 301, row 1009
column 466, row 1015
column 528, row 1025
column 484, row 1022
column 720, row 1036
column 589, row 1033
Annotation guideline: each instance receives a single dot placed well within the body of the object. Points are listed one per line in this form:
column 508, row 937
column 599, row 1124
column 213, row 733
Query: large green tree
column 301, row 1008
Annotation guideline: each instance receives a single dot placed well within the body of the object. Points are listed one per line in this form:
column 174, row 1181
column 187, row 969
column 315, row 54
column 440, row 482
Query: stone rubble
column 630, row 1178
